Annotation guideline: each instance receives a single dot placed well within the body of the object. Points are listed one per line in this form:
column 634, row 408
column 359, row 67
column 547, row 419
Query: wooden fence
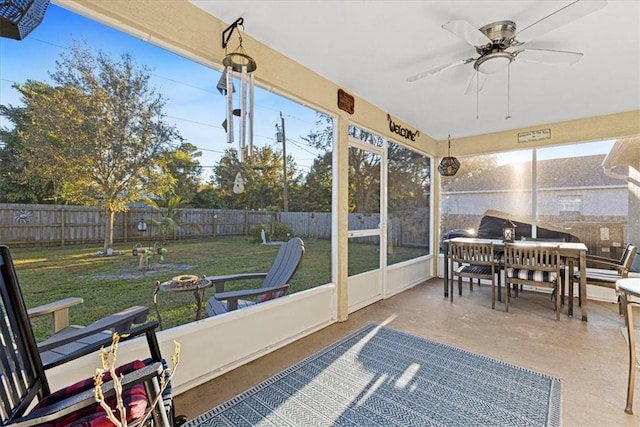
column 56, row 225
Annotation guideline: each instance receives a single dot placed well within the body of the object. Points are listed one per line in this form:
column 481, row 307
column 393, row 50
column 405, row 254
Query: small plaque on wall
column 346, row 102
column 534, row 135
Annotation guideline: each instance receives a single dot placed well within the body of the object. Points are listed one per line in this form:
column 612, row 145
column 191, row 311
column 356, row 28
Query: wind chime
column 238, row 65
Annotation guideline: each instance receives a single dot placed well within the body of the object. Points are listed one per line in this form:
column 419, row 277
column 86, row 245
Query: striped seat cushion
column 474, row 269
column 600, row 275
column 535, row 275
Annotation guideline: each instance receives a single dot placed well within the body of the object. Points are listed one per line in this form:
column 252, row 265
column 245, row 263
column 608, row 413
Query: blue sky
column 194, row 105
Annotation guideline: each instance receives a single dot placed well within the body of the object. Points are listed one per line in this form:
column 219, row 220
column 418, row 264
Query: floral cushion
column 134, row 399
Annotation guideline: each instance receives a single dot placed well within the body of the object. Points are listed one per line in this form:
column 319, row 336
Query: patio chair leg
column 621, row 307
column 507, row 292
column 558, row 302
column 493, row 295
column 450, row 284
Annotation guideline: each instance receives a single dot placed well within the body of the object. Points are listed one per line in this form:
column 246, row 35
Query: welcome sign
column 402, row 131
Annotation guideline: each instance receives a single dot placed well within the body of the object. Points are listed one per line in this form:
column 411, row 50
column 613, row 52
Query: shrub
column 254, row 233
column 279, row 231
column 274, row 231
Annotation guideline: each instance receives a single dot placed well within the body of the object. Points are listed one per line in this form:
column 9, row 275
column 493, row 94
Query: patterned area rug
column 382, row 377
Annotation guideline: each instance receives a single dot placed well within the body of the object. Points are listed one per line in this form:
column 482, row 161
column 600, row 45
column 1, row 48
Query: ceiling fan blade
column 438, row 69
column 547, row 56
column 560, row 17
column 476, row 84
column 467, row 32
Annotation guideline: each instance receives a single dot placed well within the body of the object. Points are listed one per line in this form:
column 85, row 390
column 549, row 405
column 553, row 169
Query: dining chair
column 610, row 272
column 558, row 239
column 533, row 265
column 595, row 260
column 473, row 261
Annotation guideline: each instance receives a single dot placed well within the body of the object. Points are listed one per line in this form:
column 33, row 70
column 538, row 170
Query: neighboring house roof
column 570, row 172
column 625, row 153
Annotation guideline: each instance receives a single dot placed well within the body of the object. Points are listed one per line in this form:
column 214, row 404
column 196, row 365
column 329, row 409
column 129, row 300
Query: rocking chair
column 25, row 395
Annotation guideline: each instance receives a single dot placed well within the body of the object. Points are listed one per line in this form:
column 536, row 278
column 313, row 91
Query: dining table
column 571, row 252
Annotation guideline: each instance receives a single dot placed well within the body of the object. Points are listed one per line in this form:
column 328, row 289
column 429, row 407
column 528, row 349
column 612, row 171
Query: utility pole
column 281, row 137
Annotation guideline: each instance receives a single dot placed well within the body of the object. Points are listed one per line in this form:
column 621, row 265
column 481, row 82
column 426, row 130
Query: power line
column 195, row 122
column 298, row 144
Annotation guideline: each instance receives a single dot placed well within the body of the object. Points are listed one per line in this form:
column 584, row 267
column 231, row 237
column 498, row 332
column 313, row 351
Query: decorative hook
column 229, row 30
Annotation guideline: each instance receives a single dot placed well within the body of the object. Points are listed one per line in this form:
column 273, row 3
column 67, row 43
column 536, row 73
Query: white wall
column 213, row 346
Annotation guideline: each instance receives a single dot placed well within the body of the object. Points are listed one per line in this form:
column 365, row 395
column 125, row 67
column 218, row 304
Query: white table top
column 629, row 285
column 498, row 242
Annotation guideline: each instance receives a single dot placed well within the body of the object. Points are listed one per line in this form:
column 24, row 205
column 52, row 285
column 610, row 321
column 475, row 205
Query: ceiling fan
column 500, row 43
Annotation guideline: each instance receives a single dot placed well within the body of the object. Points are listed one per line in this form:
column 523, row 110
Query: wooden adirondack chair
column 274, row 285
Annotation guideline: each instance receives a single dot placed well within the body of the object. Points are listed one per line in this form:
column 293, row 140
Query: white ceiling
column 369, row 48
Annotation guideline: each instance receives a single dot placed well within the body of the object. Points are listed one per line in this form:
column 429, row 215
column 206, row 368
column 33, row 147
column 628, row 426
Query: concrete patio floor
column 590, row 357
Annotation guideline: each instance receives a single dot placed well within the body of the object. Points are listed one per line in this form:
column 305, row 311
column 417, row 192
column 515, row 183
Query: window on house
column 570, row 204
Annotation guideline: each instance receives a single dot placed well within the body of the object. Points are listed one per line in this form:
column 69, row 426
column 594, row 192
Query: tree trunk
column 108, row 232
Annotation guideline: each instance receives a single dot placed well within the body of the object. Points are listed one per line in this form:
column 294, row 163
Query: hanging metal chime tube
column 250, row 114
column 229, row 75
column 243, row 111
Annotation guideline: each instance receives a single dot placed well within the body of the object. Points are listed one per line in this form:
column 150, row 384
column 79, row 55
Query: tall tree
column 262, row 176
column 224, row 177
column 316, row 188
column 323, row 138
column 98, row 131
column 207, row 197
column 15, row 185
column 409, row 179
column 314, row 194
column 183, row 165
column 364, row 167
column 364, row 173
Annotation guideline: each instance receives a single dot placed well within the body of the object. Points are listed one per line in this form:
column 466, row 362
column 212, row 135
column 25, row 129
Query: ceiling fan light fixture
column 493, row 62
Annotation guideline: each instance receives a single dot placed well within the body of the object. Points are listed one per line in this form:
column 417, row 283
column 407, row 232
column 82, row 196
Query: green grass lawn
column 111, row 283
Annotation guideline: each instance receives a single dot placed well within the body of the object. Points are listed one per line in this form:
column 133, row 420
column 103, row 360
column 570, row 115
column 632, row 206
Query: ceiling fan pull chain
column 477, row 95
column 508, row 92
